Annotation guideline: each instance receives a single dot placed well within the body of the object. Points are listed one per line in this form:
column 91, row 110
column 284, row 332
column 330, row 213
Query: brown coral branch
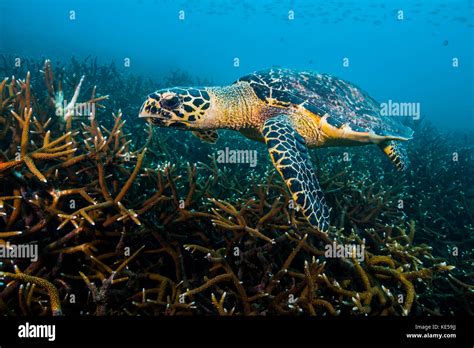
column 50, row 288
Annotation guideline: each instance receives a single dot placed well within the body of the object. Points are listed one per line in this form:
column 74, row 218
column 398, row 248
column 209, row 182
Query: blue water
column 407, row 60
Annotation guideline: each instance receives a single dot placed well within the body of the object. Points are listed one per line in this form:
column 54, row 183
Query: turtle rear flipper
column 397, row 153
column 290, row 157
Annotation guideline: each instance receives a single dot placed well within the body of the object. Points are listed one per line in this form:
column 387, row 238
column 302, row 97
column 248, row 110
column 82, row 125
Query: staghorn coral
column 128, row 227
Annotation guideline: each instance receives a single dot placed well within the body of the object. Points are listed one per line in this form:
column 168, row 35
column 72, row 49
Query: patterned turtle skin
column 290, row 111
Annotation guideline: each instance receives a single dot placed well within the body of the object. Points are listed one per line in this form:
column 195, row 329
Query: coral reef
column 132, row 222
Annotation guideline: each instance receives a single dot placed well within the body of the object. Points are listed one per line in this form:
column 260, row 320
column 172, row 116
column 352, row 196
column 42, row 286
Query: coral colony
column 123, row 224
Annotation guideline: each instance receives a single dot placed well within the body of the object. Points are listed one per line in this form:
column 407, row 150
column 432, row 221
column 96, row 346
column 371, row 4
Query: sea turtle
column 290, row 111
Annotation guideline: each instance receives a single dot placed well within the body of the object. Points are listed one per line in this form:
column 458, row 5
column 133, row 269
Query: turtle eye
column 170, row 102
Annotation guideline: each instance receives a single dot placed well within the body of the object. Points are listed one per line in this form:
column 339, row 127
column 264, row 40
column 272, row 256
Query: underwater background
column 130, row 220
column 408, row 59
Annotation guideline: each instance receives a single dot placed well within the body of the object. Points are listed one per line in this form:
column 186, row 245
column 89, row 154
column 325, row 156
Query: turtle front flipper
column 397, row 153
column 290, row 157
column 208, row 136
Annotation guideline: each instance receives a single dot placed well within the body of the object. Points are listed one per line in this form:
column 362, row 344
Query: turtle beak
column 153, row 113
column 150, row 110
column 145, row 110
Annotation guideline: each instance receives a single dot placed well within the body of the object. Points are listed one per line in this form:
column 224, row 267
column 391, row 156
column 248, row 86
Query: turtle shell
column 323, row 94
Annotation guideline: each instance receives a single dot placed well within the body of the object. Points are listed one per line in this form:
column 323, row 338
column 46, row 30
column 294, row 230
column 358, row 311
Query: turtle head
column 178, row 107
